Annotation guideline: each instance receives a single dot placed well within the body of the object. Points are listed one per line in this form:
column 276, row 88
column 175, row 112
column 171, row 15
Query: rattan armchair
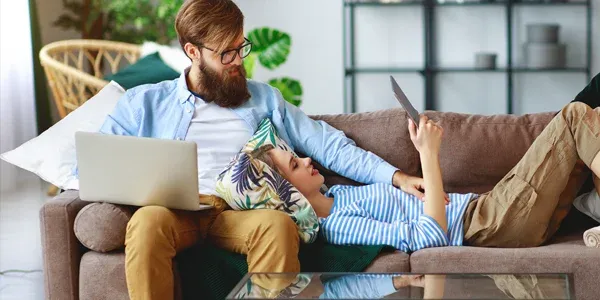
column 75, row 68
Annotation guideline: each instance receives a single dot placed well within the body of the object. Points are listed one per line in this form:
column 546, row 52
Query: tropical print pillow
column 249, row 183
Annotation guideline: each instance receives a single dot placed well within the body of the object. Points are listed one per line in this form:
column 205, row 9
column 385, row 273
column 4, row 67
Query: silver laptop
column 137, row 171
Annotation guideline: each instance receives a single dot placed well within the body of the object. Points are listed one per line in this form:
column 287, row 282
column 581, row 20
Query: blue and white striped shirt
column 380, row 214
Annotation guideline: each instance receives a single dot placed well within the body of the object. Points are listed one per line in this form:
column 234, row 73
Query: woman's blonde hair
column 262, row 153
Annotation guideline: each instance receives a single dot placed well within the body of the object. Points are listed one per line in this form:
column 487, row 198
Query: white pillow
column 51, row 155
column 589, row 204
column 173, row 57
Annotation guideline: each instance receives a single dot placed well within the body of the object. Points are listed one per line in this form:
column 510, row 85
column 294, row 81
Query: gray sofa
column 476, row 152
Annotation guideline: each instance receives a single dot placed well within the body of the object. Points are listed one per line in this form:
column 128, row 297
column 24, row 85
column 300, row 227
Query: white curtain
column 17, row 106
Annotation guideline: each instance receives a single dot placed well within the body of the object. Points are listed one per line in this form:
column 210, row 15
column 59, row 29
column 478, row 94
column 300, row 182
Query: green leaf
column 261, row 203
column 290, row 89
column 162, row 11
column 248, row 201
column 249, row 64
column 260, row 136
column 271, row 45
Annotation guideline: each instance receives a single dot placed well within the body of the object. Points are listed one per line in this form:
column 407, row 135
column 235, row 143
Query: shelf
column 377, row 3
column 463, row 70
column 382, row 70
column 554, row 70
column 468, row 3
column 468, row 69
column 429, row 69
column 471, row 3
column 513, row 69
column 572, row 3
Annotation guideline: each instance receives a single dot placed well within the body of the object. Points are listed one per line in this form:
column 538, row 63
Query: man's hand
column 411, row 185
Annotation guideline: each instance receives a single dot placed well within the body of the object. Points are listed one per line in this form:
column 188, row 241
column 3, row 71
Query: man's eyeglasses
column 228, row 56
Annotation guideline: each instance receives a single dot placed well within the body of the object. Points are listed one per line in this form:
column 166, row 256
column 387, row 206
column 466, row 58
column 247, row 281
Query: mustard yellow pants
column 156, row 234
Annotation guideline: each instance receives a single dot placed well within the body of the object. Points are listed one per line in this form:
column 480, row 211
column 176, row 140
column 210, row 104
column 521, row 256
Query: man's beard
column 227, row 90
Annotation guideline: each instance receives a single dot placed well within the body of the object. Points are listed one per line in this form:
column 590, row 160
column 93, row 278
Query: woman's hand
column 428, row 137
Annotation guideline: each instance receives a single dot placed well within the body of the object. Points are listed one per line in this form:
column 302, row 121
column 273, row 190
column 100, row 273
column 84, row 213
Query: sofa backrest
column 477, row 151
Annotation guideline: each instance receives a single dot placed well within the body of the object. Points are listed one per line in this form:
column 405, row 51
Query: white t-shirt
column 220, row 134
column 589, row 204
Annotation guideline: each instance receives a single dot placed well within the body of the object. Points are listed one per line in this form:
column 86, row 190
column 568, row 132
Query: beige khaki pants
column 527, row 206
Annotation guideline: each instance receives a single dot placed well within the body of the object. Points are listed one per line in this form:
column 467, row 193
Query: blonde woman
column 526, row 200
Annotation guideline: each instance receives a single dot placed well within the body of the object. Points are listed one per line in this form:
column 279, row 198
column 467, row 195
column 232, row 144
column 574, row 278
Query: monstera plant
column 270, row 48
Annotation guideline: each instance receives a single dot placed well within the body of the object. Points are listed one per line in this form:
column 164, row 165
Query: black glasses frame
column 236, row 50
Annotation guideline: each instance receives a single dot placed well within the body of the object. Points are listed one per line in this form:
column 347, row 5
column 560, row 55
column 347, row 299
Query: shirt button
column 188, row 110
column 180, row 138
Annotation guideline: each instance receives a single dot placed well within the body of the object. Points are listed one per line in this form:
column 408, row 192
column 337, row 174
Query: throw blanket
column 592, row 237
column 211, row 273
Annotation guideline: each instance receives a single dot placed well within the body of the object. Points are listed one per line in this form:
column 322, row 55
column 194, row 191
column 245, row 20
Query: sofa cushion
column 102, row 276
column 101, row 226
column 382, row 132
column 566, row 254
column 390, row 262
column 476, row 152
column 148, row 69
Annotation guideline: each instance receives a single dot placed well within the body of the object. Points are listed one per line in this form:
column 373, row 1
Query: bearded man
column 214, row 105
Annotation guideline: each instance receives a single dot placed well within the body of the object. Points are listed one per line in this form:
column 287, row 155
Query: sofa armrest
column 61, row 250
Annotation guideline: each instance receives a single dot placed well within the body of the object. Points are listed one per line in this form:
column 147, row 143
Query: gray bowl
column 485, row 60
column 544, row 56
column 542, row 33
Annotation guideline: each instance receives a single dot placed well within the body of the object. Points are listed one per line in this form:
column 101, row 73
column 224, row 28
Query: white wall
column 48, row 11
column 392, row 36
column 316, row 53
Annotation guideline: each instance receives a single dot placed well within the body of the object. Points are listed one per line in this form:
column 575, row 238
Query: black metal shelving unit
column 430, row 69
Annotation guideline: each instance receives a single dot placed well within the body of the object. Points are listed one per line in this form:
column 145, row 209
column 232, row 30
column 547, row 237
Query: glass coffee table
column 403, row 286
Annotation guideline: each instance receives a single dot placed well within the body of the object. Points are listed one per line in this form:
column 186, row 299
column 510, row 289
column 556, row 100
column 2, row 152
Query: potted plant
column 131, row 21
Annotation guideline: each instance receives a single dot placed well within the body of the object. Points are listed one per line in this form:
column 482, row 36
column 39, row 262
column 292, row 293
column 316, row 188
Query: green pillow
column 148, row 69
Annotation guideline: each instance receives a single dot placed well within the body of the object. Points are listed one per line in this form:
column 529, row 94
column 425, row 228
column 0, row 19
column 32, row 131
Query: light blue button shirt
column 164, row 110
